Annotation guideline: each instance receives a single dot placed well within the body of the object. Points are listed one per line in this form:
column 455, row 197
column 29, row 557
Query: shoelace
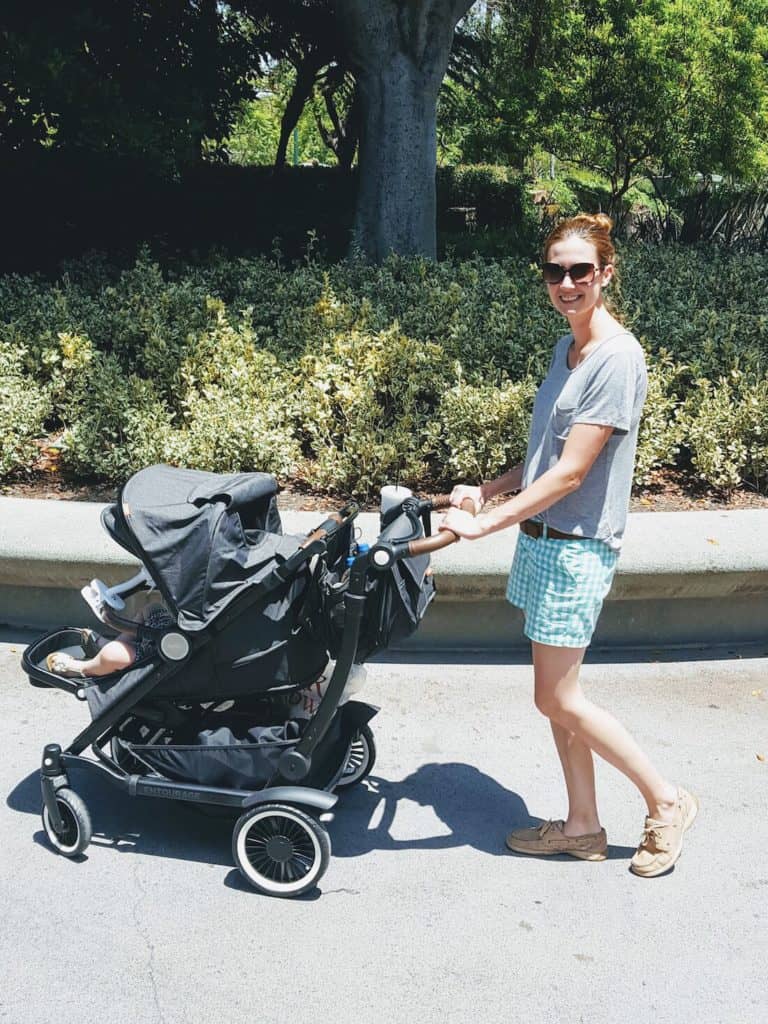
column 547, row 826
column 654, row 833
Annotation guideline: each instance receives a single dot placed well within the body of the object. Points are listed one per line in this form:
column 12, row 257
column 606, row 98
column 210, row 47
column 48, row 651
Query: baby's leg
column 114, row 656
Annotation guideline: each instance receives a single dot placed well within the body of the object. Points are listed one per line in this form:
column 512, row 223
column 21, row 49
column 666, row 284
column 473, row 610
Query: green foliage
column 23, row 410
column 346, row 376
column 366, row 405
column 256, row 131
column 706, row 306
column 499, row 195
column 661, row 433
column 725, row 425
column 121, row 425
column 481, row 430
column 238, row 404
column 629, row 89
column 136, row 79
column 661, row 85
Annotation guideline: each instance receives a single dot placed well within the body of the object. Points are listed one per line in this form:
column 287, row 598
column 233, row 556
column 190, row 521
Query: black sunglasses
column 579, row 273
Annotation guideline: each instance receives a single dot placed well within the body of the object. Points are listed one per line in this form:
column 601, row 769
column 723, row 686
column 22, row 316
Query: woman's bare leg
column 579, row 774
column 559, row 696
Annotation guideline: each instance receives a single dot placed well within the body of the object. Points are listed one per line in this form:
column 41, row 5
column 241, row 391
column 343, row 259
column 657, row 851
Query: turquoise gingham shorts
column 560, row 585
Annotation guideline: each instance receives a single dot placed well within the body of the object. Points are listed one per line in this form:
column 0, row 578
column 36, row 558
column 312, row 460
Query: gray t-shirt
column 607, row 388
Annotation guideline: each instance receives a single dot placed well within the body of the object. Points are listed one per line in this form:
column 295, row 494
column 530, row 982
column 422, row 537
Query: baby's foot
column 62, row 664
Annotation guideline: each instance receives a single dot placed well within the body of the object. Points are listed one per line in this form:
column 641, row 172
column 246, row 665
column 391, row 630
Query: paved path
column 422, row 917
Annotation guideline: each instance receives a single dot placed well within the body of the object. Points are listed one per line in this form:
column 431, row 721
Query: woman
column 571, row 500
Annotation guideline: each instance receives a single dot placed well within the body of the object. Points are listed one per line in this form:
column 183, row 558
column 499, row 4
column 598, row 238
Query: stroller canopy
column 203, row 537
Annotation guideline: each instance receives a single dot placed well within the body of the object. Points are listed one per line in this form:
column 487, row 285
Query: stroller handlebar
column 442, row 539
column 384, row 554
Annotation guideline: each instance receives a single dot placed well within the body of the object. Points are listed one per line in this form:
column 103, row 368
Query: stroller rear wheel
column 361, row 758
column 76, row 833
column 280, row 850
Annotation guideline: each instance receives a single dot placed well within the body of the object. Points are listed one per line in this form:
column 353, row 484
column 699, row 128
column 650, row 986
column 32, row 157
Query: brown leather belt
column 533, row 528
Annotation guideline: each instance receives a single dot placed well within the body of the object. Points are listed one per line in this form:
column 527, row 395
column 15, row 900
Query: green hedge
column 343, row 377
column 65, row 204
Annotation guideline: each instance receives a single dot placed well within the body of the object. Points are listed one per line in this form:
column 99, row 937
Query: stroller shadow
column 475, row 809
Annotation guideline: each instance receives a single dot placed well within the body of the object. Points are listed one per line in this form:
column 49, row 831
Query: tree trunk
column 399, row 51
column 306, row 76
column 350, row 135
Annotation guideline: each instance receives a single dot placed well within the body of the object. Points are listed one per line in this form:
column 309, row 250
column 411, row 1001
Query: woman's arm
column 504, row 484
column 584, row 444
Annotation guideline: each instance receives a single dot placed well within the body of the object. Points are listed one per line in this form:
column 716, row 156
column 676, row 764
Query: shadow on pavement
column 474, row 807
column 155, row 828
column 476, row 810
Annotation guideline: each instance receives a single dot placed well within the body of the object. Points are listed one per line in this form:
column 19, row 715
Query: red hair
column 594, row 228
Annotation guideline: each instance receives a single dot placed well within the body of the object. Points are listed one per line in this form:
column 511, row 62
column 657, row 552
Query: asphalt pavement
column 422, row 915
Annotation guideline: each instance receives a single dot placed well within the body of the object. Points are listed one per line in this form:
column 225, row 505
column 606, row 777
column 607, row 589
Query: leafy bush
column 725, row 425
column 366, row 405
column 343, row 376
column 23, row 409
column 238, row 404
column 660, row 434
column 498, row 194
column 483, row 429
column 121, row 427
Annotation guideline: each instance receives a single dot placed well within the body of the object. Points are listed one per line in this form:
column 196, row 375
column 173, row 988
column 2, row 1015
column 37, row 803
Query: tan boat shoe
column 548, row 838
column 662, row 841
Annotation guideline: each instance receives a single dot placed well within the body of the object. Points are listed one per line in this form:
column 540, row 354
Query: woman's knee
column 557, row 707
column 556, row 681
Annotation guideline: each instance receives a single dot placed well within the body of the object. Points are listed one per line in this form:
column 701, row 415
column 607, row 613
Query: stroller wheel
column 280, row 850
column 76, row 833
column 361, row 758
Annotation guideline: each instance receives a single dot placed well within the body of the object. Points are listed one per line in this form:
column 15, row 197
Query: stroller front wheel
column 76, row 833
column 280, row 850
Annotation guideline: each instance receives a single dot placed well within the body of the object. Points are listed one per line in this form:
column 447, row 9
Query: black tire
column 280, row 850
column 361, row 758
column 77, row 831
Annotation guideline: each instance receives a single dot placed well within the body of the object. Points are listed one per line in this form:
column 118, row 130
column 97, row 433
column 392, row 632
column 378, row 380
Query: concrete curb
column 684, row 577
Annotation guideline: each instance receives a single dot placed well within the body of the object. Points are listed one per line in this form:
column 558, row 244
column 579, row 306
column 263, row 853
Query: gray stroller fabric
column 219, row 758
column 203, row 537
column 222, row 757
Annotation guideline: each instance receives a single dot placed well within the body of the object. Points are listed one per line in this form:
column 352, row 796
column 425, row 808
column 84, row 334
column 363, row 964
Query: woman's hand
column 461, row 492
column 464, row 524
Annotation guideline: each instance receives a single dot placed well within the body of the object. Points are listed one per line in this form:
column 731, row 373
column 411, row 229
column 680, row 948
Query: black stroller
column 205, row 715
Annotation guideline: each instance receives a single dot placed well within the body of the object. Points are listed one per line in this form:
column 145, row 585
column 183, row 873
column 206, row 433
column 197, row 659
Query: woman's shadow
column 475, row 808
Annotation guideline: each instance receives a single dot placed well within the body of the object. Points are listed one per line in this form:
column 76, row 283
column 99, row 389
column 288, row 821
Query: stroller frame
column 65, row 815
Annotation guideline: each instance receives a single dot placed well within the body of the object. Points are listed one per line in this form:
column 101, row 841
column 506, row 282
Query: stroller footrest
column 33, row 661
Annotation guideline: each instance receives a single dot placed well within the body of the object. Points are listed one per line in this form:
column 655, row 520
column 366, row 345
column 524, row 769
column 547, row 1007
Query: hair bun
column 601, row 221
